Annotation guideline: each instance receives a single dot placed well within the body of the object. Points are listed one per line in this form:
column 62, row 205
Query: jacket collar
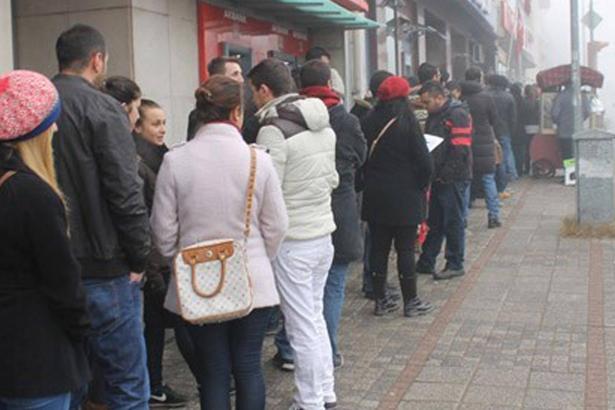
column 268, row 109
column 218, row 130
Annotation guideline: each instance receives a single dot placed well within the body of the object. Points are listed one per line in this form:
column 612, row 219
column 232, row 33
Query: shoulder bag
column 212, row 278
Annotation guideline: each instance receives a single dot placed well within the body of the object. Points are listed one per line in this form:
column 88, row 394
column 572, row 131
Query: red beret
column 393, row 87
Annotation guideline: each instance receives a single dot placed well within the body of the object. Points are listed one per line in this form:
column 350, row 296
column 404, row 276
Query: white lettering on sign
column 235, row 16
column 300, row 36
column 279, row 29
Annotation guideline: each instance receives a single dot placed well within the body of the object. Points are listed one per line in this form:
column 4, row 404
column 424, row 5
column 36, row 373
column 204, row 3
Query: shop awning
column 311, row 13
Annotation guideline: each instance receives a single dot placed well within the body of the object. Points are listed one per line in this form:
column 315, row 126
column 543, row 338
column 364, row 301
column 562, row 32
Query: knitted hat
column 393, row 87
column 29, row 104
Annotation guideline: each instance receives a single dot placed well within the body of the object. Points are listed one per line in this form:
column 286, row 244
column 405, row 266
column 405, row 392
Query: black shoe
column 283, row 364
column 331, row 405
column 417, row 307
column 369, row 294
column 392, row 293
column 448, row 273
column 424, row 270
column 166, row 397
column 493, row 223
column 338, row 361
column 384, row 306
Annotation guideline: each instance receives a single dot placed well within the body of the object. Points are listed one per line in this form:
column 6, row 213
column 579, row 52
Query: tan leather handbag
column 212, row 278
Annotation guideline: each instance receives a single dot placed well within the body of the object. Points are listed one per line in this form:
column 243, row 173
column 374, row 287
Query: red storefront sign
column 219, row 28
column 508, row 18
column 354, row 5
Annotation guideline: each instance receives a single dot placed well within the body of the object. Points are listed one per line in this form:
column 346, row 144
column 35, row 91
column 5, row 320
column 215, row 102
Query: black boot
column 493, row 223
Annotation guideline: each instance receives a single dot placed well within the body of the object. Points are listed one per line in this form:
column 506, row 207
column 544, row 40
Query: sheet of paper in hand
column 433, row 141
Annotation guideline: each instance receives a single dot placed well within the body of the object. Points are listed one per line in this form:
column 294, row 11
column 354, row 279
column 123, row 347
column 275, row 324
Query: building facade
column 164, row 45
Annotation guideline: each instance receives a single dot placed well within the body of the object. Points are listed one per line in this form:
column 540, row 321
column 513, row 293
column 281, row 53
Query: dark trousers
column 232, row 347
column 566, row 148
column 521, row 154
column 157, row 319
column 404, row 239
column 445, row 222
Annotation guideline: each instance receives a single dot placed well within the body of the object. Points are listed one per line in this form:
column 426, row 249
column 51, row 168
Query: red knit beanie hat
column 29, row 104
column 393, row 87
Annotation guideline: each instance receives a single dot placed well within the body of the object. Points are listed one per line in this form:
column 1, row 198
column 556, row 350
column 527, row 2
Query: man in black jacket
column 453, row 171
column 96, row 163
column 507, row 113
column 485, row 121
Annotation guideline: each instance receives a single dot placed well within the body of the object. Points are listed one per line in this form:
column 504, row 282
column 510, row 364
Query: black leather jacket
column 96, row 162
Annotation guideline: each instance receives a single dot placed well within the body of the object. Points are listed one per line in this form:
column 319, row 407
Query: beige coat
column 201, row 195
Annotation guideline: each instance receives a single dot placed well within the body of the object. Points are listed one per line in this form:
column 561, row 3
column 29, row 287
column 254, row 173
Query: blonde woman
column 43, row 316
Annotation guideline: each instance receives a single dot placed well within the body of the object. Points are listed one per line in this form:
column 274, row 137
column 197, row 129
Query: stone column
column 6, row 37
column 595, row 173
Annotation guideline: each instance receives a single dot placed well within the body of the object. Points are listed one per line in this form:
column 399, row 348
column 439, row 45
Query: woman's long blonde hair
column 37, row 154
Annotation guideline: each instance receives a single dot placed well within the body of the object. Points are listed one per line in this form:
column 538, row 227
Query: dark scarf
column 324, row 93
column 150, row 154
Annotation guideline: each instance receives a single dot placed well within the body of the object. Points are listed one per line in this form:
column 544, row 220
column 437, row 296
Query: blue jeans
column 116, row 342
column 333, row 304
column 491, row 195
column 232, row 347
column 509, row 158
column 334, row 301
column 58, row 402
column 501, row 178
column 466, row 200
column 445, row 220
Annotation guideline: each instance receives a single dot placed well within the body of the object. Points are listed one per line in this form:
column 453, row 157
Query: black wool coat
column 398, row 171
column 485, row 120
column 43, row 319
column 350, row 154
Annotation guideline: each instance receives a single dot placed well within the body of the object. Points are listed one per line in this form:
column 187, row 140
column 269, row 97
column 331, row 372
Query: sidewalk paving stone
column 518, row 337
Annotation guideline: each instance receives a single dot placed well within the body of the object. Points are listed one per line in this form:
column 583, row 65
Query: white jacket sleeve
column 272, row 138
column 164, row 219
column 273, row 217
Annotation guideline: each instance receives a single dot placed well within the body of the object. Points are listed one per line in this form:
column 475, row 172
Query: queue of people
column 98, row 211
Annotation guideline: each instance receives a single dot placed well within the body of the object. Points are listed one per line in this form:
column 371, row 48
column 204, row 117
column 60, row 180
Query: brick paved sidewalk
column 515, row 332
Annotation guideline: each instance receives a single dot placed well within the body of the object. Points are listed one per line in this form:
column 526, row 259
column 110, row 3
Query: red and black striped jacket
column 453, row 158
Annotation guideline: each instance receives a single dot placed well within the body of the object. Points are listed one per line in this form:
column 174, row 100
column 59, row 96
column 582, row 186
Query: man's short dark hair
column 273, row 73
column 316, row 53
column 453, row 85
column 75, row 47
column 433, row 88
column 427, row 72
column 122, row 89
column 377, row 78
column 218, row 65
column 315, row 73
column 497, row 81
column 474, row 74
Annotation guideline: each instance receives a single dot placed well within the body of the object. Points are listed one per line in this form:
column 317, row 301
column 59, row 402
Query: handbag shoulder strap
column 381, row 134
column 5, row 177
column 250, row 194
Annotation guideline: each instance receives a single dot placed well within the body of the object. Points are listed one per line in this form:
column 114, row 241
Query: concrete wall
column 153, row 42
column 166, row 58
column 6, row 37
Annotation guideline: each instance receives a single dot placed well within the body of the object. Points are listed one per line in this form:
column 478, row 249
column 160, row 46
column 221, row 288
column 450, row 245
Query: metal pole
column 396, row 34
column 576, row 65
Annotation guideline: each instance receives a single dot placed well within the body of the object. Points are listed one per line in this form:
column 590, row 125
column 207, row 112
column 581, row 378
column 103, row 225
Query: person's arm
column 494, row 117
column 122, row 189
column 358, row 142
column 420, row 155
column 164, row 219
column 512, row 115
column 273, row 217
column 556, row 109
column 57, row 270
column 272, row 138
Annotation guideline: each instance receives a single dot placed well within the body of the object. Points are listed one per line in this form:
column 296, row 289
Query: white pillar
column 6, row 37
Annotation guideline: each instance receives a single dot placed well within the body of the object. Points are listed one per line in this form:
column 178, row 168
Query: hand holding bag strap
column 6, row 177
column 250, row 194
column 380, row 135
